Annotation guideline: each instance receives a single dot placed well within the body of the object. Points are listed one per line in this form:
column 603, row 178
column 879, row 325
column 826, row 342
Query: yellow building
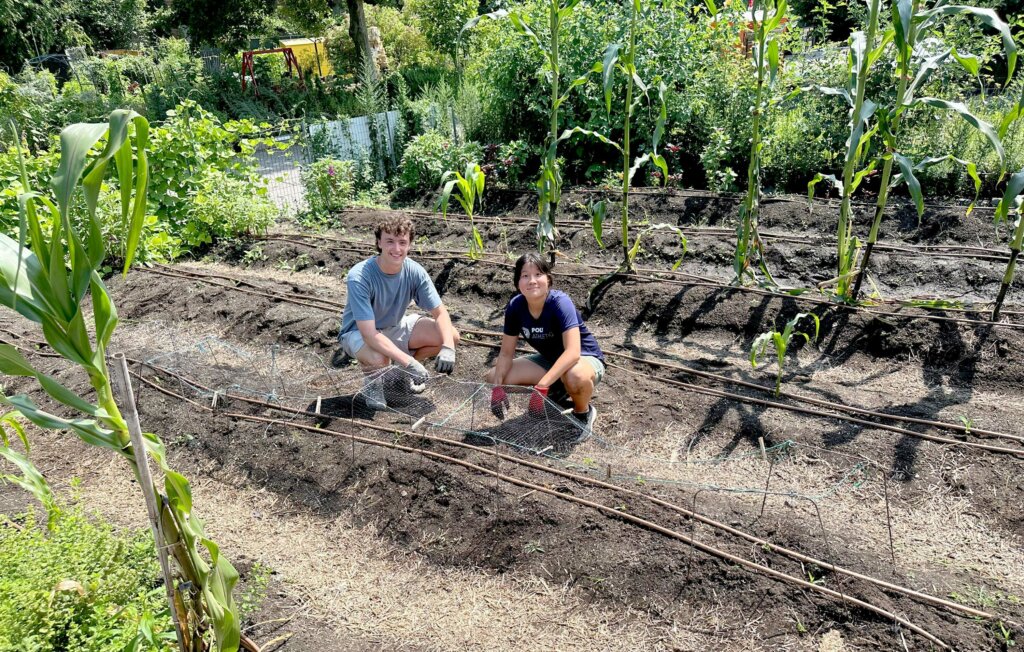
column 311, row 54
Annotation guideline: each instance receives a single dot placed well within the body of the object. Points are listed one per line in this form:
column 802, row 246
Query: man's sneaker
column 340, row 359
column 586, row 425
column 373, row 393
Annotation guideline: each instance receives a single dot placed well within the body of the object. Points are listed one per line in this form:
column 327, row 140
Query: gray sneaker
column 373, row 393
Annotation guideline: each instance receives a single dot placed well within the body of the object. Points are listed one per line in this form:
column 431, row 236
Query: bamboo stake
column 124, row 386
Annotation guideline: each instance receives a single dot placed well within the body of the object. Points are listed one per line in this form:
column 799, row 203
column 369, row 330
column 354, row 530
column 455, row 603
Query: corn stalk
column 863, row 53
column 45, row 277
column 549, row 181
column 623, row 60
column 1011, row 197
column 913, row 24
column 470, row 187
column 766, row 17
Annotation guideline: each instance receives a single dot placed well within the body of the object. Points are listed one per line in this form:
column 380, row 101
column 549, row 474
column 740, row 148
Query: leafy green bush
column 430, row 155
column 79, row 586
column 223, row 205
column 330, row 185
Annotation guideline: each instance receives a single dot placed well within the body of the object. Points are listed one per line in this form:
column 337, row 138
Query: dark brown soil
column 456, row 517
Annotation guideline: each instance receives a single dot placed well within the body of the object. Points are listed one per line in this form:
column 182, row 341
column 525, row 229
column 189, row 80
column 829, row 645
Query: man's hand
column 418, row 375
column 445, row 360
column 499, row 402
column 537, row 397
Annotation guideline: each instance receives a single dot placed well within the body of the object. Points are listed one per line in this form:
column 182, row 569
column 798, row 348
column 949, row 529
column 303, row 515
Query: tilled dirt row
column 955, row 516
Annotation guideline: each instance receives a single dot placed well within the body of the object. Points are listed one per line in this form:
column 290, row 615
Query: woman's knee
column 578, row 378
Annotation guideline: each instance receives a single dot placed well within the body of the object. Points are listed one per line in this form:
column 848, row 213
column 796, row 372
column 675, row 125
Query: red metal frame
column 249, row 65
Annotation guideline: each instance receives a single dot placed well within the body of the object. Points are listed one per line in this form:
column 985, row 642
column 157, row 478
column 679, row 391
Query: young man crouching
column 374, row 327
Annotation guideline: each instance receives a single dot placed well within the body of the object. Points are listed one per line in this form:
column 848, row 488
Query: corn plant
column 766, row 17
column 46, row 276
column 623, row 60
column 912, row 25
column 780, row 342
column 549, row 182
column 470, row 187
column 1011, row 198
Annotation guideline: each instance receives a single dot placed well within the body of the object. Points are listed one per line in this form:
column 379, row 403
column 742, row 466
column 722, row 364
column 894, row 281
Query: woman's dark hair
column 540, row 262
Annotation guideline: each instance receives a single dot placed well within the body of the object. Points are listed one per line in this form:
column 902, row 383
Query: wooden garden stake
column 767, row 481
column 213, row 403
column 318, row 398
column 131, row 413
column 764, row 453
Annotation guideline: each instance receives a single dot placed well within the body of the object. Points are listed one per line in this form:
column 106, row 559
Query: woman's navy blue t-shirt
column 545, row 333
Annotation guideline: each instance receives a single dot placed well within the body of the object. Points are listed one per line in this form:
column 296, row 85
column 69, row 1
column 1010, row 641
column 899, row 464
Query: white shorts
column 400, row 333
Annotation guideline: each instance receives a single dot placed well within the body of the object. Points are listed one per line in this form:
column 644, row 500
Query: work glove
column 536, row 408
column 499, row 403
column 418, row 375
column 445, row 363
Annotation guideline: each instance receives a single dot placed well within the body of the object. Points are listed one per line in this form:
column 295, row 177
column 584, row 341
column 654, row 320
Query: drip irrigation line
column 793, row 396
column 818, row 413
column 334, row 305
column 615, row 513
column 820, row 402
column 583, row 480
column 705, row 281
column 620, row 515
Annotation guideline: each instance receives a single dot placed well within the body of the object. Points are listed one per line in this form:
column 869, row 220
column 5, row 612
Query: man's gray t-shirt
column 384, row 298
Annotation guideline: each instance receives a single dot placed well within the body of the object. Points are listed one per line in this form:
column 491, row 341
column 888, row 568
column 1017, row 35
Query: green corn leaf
column 928, row 66
column 757, row 349
column 965, row 113
column 75, row 142
column 902, row 19
column 598, row 212
column 637, row 164
column 662, row 165
column 10, row 420
column 478, row 239
column 907, row 170
column 971, row 63
column 829, row 90
column 446, row 193
column 178, row 490
column 569, row 133
column 87, row 429
column 138, row 213
column 219, row 601
column 24, row 285
column 969, row 167
column 859, row 176
column 836, row 183
column 31, row 480
column 990, row 18
column 712, row 8
column 611, row 56
column 104, row 313
column 1015, row 113
column 659, row 125
column 1014, row 187
column 522, row 25
column 13, row 363
column 773, row 60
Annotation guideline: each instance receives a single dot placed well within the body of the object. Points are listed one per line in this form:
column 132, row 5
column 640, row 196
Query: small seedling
column 533, row 547
column 1005, row 635
column 967, row 422
column 470, row 187
column 781, row 343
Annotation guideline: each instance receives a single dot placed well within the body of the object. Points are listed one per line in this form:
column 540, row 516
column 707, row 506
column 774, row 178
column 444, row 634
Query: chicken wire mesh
column 511, row 417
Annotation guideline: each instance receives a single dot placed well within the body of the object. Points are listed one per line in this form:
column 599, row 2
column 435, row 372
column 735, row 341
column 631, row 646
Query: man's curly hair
column 395, row 226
